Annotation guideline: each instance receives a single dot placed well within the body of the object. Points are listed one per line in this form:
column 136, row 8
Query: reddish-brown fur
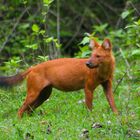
column 68, row 74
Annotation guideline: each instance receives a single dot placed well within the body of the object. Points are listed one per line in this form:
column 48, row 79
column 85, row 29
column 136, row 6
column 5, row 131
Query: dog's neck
column 105, row 72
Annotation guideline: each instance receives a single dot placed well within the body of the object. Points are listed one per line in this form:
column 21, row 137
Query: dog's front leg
column 107, row 86
column 88, row 95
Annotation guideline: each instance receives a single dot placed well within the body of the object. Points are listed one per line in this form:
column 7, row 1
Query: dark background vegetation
column 65, row 20
column 32, row 31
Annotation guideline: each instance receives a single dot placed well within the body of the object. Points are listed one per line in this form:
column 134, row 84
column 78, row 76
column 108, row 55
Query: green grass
column 63, row 117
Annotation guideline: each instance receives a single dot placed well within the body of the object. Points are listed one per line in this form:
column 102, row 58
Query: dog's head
column 101, row 54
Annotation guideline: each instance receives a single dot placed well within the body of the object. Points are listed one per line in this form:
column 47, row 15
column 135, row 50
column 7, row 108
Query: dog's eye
column 98, row 56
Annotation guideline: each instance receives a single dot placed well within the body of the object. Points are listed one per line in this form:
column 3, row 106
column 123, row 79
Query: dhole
column 68, row 74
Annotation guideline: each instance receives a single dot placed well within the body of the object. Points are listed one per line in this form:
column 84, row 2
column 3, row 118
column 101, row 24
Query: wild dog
column 68, row 74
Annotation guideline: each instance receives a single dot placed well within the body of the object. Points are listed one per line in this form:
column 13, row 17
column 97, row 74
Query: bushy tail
column 13, row 80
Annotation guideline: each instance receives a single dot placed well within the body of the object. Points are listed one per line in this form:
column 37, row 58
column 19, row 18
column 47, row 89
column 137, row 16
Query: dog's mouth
column 91, row 65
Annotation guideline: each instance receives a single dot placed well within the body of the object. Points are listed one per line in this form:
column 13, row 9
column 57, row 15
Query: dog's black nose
column 88, row 64
column 91, row 65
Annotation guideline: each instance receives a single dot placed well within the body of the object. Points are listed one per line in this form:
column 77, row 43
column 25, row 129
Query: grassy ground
column 63, row 117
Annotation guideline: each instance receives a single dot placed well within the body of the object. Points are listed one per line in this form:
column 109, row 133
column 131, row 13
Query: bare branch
column 58, row 21
column 13, row 29
column 120, row 18
column 119, row 82
column 58, row 26
column 127, row 64
column 77, row 31
column 135, row 8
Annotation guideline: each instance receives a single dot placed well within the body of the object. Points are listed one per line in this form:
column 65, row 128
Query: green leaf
column 85, row 48
column 85, row 40
column 43, row 58
column 57, row 45
column 35, row 28
column 100, row 28
column 125, row 14
column 48, row 40
column 24, row 26
column 138, row 45
column 136, row 52
column 32, row 46
column 13, row 63
column 85, row 54
column 139, row 22
column 130, row 26
column 42, row 32
column 47, row 2
column 25, row 1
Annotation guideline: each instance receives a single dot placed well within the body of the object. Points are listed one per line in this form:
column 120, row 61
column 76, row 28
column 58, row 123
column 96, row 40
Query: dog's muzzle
column 91, row 65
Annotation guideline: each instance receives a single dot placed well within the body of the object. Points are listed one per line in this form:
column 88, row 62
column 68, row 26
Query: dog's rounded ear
column 93, row 44
column 107, row 44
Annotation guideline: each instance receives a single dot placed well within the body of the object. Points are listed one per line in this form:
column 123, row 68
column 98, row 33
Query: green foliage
column 24, row 25
column 13, row 64
column 85, row 40
column 35, row 28
column 32, row 46
column 84, row 52
column 42, row 58
column 100, row 28
column 51, row 39
column 125, row 14
column 47, row 2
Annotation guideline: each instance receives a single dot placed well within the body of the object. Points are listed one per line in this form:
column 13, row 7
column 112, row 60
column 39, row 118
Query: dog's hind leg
column 35, row 84
column 30, row 98
column 43, row 96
